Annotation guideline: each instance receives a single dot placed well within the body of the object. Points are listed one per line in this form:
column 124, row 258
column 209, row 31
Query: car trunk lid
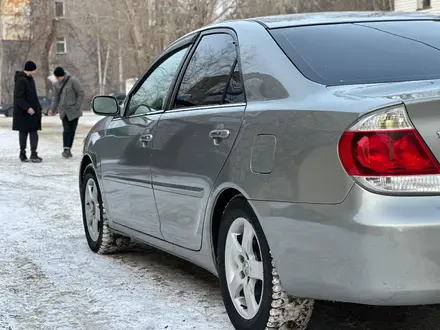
column 425, row 115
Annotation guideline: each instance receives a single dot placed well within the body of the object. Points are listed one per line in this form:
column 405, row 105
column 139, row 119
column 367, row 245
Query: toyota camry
column 295, row 157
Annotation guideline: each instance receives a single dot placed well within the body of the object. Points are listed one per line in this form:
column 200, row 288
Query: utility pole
column 121, row 66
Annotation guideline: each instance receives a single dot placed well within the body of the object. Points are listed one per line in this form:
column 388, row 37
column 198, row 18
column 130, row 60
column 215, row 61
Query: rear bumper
column 369, row 249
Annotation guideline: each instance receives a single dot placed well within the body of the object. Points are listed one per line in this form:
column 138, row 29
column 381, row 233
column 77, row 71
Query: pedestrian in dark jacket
column 67, row 99
column 27, row 111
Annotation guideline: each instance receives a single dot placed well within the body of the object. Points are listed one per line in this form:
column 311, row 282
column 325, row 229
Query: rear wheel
column 10, row 112
column 252, row 292
column 99, row 237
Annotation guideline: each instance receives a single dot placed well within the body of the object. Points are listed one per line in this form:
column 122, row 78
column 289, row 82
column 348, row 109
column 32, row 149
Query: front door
column 127, row 170
column 126, row 174
column 193, row 140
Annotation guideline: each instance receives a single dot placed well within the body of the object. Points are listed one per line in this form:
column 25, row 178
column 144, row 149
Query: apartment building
column 432, row 6
column 51, row 25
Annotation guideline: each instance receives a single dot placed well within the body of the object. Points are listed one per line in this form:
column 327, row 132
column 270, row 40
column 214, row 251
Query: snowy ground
column 50, row 280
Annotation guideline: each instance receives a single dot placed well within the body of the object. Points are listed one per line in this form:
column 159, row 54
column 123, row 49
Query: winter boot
column 34, row 158
column 66, row 153
column 23, row 156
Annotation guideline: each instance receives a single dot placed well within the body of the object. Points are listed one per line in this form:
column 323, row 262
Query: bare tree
column 119, row 39
column 23, row 37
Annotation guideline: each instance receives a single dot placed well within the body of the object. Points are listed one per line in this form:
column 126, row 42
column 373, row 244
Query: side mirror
column 105, row 105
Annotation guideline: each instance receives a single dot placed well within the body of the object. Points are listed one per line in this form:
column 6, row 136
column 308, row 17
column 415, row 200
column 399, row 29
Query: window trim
column 206, row 107
column 168, row 52
column 63, row 42
column 64, row 8
column 225, row 30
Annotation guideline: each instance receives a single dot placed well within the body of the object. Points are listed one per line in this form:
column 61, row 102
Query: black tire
column 107, row 242
column 10, row 112
column 277, row 310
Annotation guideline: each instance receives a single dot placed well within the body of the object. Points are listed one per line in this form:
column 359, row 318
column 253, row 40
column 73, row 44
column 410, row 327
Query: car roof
column 320, row 18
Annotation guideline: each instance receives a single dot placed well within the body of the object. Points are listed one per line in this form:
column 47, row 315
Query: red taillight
column 386, row 153
column 382, row 151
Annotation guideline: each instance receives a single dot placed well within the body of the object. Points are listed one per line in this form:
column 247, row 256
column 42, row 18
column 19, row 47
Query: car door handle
column 219, row 134
column 144, row 139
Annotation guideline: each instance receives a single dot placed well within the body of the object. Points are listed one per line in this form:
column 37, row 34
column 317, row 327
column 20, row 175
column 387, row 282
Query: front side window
column 206, row 78
column 152, row 94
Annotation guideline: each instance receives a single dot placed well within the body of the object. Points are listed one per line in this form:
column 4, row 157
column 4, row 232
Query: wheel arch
column 223, row 198
column 85, row 161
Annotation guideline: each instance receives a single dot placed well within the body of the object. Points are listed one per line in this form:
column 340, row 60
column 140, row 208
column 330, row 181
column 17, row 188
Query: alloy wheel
column 92, row 208
column 244, row 268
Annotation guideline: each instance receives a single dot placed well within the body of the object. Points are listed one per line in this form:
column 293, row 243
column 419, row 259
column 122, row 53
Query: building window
column 424, row 4
column 61, row 45
column 59, row 9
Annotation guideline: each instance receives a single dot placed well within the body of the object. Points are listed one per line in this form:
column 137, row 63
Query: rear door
column 194, row 138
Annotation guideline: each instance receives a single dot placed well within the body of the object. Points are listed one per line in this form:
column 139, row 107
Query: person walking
column 68, row 96
column 27, row 111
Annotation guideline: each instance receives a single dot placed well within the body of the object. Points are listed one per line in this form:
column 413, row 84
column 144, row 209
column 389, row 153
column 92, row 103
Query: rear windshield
column 363, row 53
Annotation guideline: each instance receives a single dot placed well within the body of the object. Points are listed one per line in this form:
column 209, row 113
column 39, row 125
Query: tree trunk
column 136, row 35
column 1, row 70
column 45, row 60
column 104, row 78
column 98, row 55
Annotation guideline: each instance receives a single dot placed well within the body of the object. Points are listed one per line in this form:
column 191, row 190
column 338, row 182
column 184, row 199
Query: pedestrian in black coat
column 27, row 111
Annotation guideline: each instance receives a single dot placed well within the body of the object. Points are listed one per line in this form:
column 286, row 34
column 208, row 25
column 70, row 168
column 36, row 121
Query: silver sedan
column 295, row 157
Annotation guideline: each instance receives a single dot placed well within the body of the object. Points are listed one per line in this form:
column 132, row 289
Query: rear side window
column 206, row 80
column 363, row 53
column 234, row 93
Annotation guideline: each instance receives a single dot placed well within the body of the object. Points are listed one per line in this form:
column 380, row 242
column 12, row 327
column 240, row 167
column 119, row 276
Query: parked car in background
column 7, row 109
column 295, row 157
column 45, row 102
